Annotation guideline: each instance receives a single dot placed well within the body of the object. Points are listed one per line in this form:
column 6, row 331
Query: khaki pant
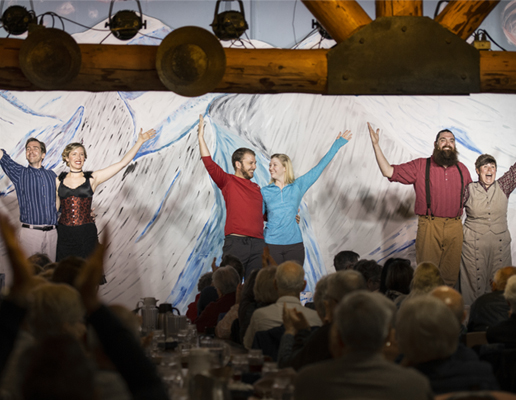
column 439, row 240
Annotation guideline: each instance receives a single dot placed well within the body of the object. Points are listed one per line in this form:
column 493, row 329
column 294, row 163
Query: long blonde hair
column 289, row 169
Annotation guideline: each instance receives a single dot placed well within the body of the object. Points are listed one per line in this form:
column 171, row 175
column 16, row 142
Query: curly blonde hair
column 69, row 148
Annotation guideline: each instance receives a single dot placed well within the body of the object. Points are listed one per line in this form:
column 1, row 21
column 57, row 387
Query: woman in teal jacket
column 282, row 198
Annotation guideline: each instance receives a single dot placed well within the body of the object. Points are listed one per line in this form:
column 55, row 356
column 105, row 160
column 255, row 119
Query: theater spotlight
column 16, row 20
column 125, row 24
column 322, row 31
column 229, row 25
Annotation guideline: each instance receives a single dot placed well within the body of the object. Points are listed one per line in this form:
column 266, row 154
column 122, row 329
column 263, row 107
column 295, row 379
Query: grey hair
column 363, row 320
column 510, row 292
column 264, row 290
column 226, row 279
column 320, row 295
column 51, row 306
column 427, row 329
column 344, row 282
column 290, row 277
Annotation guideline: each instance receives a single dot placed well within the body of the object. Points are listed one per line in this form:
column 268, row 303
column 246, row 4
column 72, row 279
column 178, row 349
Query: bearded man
column 439, row 182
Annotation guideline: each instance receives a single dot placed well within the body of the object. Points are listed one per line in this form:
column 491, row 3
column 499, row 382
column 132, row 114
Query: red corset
column 76, row 211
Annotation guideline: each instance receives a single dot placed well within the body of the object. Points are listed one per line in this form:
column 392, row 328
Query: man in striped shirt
column 36, row 191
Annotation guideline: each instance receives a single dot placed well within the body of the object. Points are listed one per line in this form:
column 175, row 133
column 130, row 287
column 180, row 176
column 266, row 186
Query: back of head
column 345, row 260
column 371, row 271
column 397, row 276
column 452, row 299
column 264, row 289
column 204, row 281
column 226, row 279
column 510, row 292
column 290, row 278
column 426, row 277
column 321, row 289
column 501, row 277
column 57, row 368
column 427, row 330
column 234, row 262
column 342, row 283
column 40, row 259
column 54, row 309
column 67, row 270
column 363, row 320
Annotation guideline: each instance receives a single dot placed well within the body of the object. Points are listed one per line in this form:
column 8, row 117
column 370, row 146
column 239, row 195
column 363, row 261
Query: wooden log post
column 392, row 8
column 340, row 18
column 498, row 72
column 463, row 17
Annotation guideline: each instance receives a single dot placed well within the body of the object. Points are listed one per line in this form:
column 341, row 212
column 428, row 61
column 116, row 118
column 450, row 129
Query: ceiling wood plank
column 391, row 8
column 463, row 17
column 340, row 18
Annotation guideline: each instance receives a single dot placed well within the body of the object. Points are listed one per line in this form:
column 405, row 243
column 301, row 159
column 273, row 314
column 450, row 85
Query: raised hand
column 346, row 135
column 20, row 266
column 144, row 136
column 200, row 133
column 375, row 136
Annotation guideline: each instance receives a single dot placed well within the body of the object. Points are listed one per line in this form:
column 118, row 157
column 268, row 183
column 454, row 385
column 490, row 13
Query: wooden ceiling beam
column 340, row 18
column 132, row 68
column 391, row 8
column 463, row 17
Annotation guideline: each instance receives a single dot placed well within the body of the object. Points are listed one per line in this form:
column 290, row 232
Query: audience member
column 68, row 270
column 396, row 277
column 290, row 282
column 40, row 259
column 234, row 262
column 371, row 272
column 225, row 324
column 426, row 277
column 225, row 281
column 259, row 291
column 491, row 308
column 299, row 345
column 505, row 331
column 204, row 282
column 428, row 336
column 362, row 322
column 345, row 260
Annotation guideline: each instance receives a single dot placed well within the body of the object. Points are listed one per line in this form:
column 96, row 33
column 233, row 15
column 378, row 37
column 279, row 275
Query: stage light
column 16, row 20
column 125, row 24
column 229, row 25
column 324, row 34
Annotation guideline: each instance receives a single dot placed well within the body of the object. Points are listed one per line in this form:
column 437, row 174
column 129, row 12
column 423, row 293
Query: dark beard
column 246, row 175
column 446, row 158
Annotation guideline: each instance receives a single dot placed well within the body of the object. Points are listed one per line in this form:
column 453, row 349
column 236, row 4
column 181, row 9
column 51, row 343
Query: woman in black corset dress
column 77, row 233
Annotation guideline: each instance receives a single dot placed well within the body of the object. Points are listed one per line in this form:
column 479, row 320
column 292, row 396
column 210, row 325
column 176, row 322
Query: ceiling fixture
column 16, row 20
column 125, row 24
column 231, row 24
column 323, row 32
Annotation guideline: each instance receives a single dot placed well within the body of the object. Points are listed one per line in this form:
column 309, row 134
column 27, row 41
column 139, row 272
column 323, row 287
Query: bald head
column 452, row 299
column 501, row 277
column 290, row 279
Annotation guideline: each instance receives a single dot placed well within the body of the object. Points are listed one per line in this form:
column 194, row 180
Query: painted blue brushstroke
column 156, row 214
column 401, row 247
column 12, row 99
column 151, row 38
column 464, row 140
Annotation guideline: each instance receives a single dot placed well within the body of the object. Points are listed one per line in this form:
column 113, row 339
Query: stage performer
column 487, row 241
column 244, row 205
column 77, row 233
column 440, row 182
column 282, row 198
column 36, row 192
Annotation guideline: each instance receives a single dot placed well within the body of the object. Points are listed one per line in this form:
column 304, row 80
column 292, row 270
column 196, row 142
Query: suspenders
column 427, row 187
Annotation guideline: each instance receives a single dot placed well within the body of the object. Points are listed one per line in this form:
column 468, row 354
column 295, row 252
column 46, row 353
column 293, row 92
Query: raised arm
column 103, row 175
column 305, row 181
column 202, row 143
column 385, row 167
column 1, row 153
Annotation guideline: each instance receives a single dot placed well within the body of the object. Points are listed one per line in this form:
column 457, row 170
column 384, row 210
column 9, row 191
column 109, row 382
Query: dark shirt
column 36, row 191
column 454, row 375
column 208, row 295
column 504, row 332
column 488, row 310
column 210, row 315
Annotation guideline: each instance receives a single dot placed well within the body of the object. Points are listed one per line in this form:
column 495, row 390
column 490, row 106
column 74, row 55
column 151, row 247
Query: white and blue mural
column 165, row 215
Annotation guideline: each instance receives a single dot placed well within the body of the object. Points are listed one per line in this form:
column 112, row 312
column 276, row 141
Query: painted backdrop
column 166, row 216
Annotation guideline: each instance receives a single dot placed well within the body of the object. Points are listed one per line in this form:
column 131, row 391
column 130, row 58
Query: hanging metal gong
column 50, row 58
column 190, row 61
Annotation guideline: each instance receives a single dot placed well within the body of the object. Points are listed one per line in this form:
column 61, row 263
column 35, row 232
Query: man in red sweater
column 244, row 204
